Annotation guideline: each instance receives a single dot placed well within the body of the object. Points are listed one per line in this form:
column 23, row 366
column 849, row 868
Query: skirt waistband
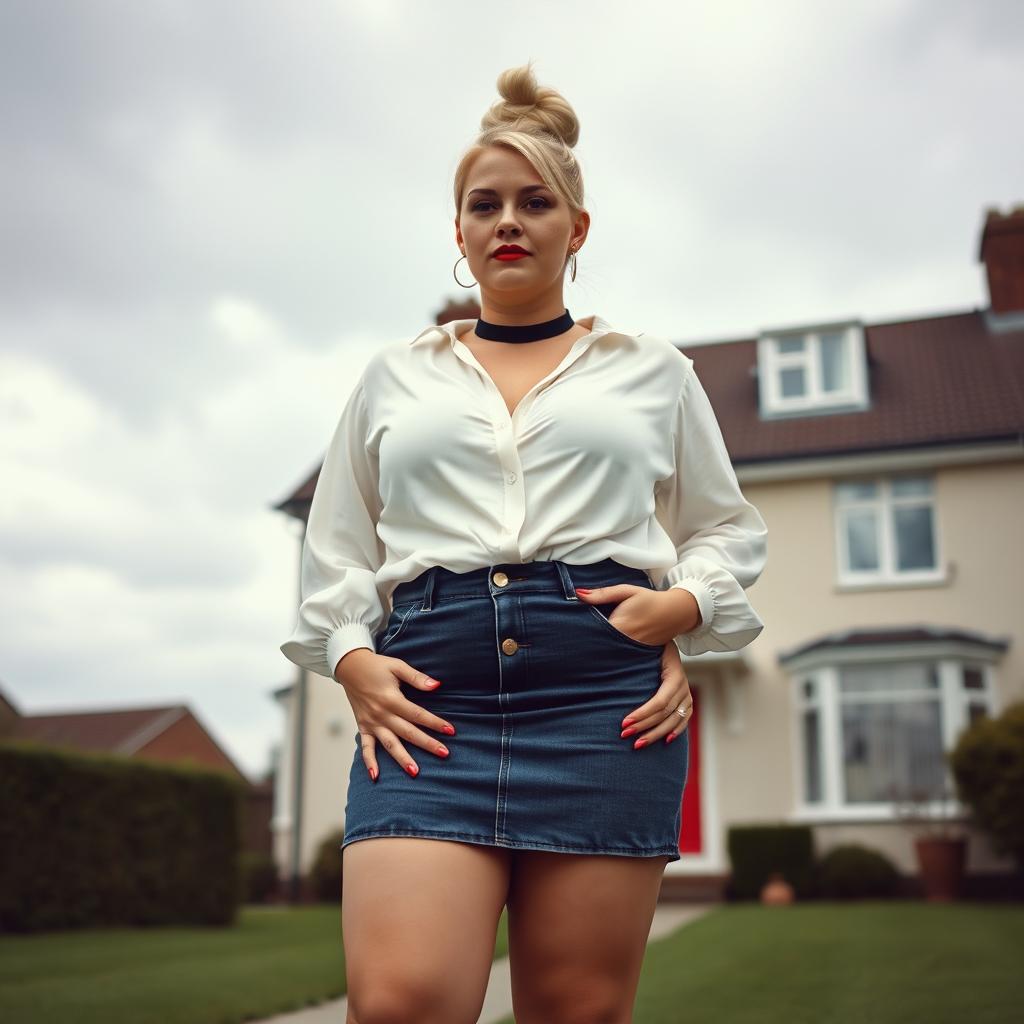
column 438, row 583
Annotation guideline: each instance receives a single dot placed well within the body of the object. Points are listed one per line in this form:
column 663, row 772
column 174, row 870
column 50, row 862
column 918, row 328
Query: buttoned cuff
column 705, row 597
column 347, row 637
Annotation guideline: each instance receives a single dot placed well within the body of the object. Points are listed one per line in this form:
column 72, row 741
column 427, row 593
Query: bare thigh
column 577, row 928
column 419, row 919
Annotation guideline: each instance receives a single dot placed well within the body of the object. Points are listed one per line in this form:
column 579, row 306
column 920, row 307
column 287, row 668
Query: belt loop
column 428, row 590
column 567, row 585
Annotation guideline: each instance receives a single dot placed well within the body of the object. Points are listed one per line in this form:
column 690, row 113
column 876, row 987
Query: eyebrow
column 491, row 192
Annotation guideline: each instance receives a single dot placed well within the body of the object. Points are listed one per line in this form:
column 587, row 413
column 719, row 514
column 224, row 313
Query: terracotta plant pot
column 776, row 891
column 942, row 867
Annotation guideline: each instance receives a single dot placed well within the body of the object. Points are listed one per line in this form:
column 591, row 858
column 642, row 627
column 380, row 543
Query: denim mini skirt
column 536, row 683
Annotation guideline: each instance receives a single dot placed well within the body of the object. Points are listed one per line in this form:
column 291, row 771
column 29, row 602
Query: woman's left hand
column 660, row 716
column 650, row 616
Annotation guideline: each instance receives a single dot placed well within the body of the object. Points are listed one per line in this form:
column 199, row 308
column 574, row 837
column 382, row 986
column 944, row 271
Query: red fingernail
column 448, row 730
column 639, row 743
column 412, row 769
column 582, row 590
column 442, row 750
column 627, row 722
column 669, row 739
column 628, row 732
column 434, row 683
column 373, row 774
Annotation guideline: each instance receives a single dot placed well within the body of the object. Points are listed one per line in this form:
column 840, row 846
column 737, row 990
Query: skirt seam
column 522, row 844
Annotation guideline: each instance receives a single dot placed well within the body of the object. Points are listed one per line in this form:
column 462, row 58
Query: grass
column 824, row 963
column 274, row 960
column 816, row 963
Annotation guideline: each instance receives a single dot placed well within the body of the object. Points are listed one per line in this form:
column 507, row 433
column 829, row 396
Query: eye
column 532, row 199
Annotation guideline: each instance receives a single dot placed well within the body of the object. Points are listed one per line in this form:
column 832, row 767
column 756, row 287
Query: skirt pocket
column 610, row 627
column 397, row 621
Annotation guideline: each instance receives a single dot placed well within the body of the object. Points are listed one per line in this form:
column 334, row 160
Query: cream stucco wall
column 978, row 515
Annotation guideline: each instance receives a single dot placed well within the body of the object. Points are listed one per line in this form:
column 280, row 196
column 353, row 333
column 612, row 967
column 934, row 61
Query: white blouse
column 615, row 453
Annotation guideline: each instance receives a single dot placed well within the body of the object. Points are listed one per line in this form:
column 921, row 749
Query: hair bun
column 527, row 106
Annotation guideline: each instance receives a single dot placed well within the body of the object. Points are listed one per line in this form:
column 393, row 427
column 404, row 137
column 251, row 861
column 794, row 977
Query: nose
column 509, row 222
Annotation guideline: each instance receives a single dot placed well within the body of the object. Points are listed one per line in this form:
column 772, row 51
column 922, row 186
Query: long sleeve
column 719, row 536
column 340, row 606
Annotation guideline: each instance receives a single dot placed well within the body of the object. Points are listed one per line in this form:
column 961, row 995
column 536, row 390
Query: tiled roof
column 881, row 635
column 937, row 380
column 121, row 732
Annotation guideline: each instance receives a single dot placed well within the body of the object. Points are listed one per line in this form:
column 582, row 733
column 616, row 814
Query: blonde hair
column 537, row 122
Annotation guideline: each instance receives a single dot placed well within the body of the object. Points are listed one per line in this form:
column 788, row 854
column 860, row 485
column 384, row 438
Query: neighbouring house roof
column 125, row 731
column 116, row 732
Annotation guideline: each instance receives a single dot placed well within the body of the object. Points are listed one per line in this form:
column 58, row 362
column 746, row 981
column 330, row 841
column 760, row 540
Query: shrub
column 987, row 763
column 89, row 840
column 260, row 877
column 325, row 875
column 757, row 851
column 853, row 871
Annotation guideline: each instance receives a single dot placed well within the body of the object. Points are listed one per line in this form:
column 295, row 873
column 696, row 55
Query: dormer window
column 812, row 370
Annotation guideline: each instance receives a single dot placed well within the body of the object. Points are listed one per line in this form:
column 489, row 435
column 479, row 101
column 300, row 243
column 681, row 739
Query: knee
column 400, row 1003
column 597, row 1006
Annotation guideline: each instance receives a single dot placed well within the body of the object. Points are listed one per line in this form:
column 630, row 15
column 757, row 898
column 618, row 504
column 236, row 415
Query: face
column 506, row 203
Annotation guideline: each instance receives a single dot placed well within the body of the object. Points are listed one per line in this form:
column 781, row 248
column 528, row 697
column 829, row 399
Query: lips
column 510, row 252
column 509, row 256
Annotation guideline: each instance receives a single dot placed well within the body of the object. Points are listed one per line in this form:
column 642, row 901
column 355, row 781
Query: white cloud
column 213, row 217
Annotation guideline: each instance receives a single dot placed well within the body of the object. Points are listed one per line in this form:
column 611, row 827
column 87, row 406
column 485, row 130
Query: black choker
column 525, row 332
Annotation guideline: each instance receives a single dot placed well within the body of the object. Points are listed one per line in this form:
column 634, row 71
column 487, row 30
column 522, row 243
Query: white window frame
column 771, row 362
column 884, row 504
column 953, row 702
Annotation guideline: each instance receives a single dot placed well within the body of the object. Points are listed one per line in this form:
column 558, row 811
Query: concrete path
column 498, row 1001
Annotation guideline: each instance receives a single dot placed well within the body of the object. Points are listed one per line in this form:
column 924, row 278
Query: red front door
column 690, row 838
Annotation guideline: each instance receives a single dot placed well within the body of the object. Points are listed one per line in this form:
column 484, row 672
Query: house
column 888, row 462
column 171, row 734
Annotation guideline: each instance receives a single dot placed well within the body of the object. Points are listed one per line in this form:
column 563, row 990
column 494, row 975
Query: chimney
column 1002, row 252
column 458, row 309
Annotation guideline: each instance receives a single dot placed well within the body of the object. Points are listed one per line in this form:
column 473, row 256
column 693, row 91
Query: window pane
column 856, row 490
column 973, row 678
column 810, row 691
column 812, row 756
column 862, row 539
column 915, row 544
column 790, row 344
column 891, row 749
column 791, row 382
column 833, row 362
column 907, row 677
column 911, row 486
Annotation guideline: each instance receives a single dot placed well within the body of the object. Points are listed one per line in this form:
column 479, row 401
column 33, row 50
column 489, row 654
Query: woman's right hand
column 383, row 713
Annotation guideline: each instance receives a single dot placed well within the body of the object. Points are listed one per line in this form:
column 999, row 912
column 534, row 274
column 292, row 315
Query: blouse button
column 509, row 646
column 512, row 478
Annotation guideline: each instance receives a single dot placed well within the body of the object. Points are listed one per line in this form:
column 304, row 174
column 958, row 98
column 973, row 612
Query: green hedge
column 90, row 840
column 853, row 871
column 325, row 875
column 757, row 851
column 988, row 768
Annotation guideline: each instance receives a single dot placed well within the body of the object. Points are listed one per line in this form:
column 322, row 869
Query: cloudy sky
column 212, row 213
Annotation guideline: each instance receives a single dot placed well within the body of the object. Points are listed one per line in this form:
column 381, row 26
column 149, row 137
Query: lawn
column 274, row 960
column 880, row 962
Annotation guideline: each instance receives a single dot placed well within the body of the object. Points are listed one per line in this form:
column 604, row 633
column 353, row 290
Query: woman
column 519, row 524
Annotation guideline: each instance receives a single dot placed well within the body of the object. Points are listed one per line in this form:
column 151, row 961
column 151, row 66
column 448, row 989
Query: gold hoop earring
column 456, row 276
